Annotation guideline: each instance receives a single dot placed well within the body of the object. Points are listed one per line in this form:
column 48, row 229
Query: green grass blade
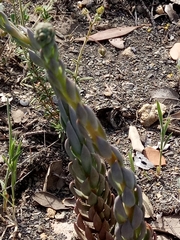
column 160, row 114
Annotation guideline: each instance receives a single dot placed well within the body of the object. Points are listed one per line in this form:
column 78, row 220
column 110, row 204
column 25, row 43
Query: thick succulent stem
column 85, row 144
column 94, row 205
column 128, row 206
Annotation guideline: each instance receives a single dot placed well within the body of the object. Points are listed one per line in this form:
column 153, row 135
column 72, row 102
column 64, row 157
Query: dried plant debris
column 115, row 117
column 109, row 33
column 111, row 117
column 69, row 202
column 171, row 10
column 174, row 127
column 175, row 115
column 149, row 211
column 165, row 95
column 54, row 180
column 168, row 226
column 173, row 16
column 135, row 139
column 117, row 42
column 48, row 200
column 153, row 156
column 142, row 162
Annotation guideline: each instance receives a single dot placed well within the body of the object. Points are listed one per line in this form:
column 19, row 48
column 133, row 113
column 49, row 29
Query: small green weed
column 44, row 95
column 43, row 11
column 20, row 13
column 163, row 138
column 11, row 161
column 92, row 21
column 130, row 155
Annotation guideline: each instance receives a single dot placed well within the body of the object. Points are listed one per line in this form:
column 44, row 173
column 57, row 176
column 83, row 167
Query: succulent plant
column 99, row 215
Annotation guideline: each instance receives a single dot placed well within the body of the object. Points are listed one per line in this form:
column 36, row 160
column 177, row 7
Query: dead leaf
column 109, row 33
column 175, row 51
column 165, row 95
column 157, row 16
column 17, row 115
column 173, row 127
column 154, row 156
column 53, row 178
column 69, row 202
column 135, row 139
column 141, row 161
column 149, row 211
column 175, row 115
column 117, row 42
column 48, row 200
column 169, row 225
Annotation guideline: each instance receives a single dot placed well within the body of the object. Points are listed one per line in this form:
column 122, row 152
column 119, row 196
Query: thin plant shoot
column 163, row 138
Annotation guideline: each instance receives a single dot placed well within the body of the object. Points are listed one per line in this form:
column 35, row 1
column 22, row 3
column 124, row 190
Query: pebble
column 24, row 103
column 86, row 3
column 133, row 49
column 50, row 213
column 128, row 52
column 128, row 86
column 97, row 73
column 171, row 153
column 43, row 236
column 150, row 75
column 60, row 216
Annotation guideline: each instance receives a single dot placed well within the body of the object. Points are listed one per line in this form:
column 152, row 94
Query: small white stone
column 60, row 216
column 24, row 103
column 129, row 53
column 50, row 213
column 149, row 114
